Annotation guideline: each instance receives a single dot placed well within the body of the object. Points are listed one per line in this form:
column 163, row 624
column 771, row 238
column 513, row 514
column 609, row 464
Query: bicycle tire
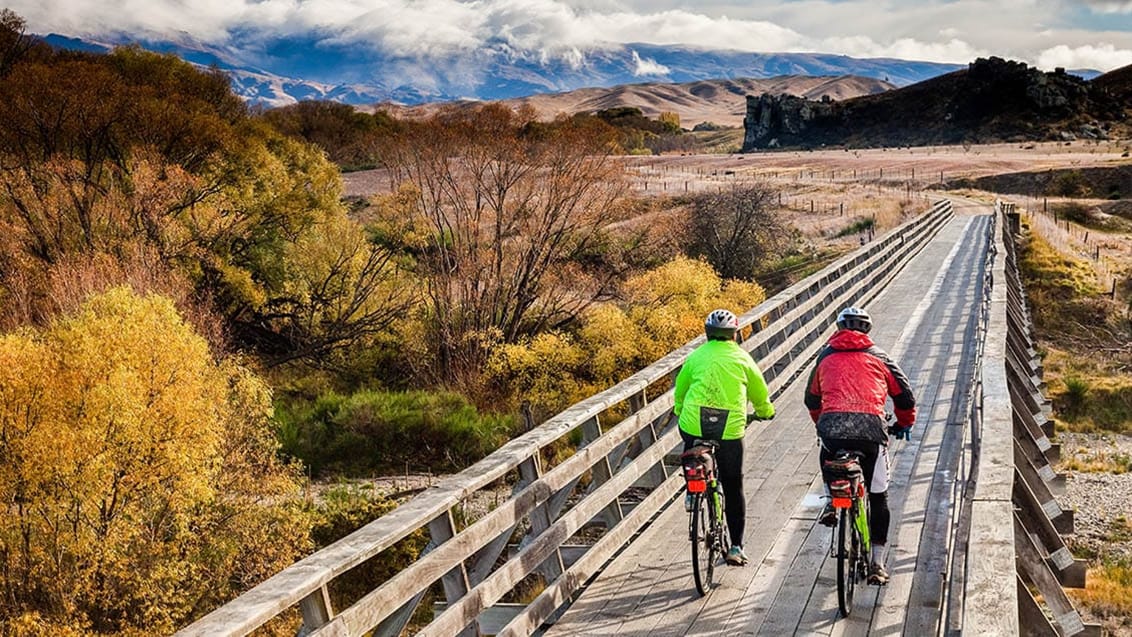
column 702, row 544
column 846, row 562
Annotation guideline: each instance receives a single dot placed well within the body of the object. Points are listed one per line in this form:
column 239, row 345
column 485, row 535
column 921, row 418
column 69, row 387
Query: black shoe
column 828, row 515
column 878, row 576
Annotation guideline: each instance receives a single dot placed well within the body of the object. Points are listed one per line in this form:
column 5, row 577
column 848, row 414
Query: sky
column 1081, row 34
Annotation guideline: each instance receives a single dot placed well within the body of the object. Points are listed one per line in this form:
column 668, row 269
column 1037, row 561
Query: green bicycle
column 706, row 526
column 851, row 542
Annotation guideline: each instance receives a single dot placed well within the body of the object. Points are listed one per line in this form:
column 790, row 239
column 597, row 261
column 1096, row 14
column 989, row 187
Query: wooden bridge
column 976, row 543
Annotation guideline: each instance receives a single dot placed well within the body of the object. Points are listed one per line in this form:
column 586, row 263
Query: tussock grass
column 1085, row 339
column 1089, row 395
column 1108, row 594
column 1098, row 462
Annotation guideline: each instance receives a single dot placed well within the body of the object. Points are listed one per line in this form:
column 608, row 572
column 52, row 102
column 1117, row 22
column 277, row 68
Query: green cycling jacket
column 720, row 375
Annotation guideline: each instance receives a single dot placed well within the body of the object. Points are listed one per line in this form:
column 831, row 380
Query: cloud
column 954, row 50
column 647, row 66
column 1110, row 6
column 1104, row 57
column 563, row 30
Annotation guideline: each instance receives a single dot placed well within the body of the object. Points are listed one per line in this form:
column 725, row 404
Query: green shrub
column 1075, row 391
column 388, row 431
column 857, row 227
column 1073, row 211
column 1069, row 184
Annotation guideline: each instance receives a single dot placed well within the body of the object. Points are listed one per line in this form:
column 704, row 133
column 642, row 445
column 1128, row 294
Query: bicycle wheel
column 847, row 549
column 702, row 543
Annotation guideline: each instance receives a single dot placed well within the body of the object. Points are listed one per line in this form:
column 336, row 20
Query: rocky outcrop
column 774, row 119
column 992, row 100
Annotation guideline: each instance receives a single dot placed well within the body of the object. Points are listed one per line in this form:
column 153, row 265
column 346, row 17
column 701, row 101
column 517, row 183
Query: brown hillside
column 719, row 101
column 1118, row 83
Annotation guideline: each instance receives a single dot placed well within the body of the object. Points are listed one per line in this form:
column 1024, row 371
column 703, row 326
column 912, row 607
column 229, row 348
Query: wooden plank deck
column 923, row 318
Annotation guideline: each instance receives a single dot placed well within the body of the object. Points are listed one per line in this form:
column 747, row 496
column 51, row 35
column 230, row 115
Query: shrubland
column 189, row 313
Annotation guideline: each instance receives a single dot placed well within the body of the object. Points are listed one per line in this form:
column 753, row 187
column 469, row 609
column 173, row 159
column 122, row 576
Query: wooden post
column 443, row 528
column 657, row 473
column 316, row 609
column 530, row 470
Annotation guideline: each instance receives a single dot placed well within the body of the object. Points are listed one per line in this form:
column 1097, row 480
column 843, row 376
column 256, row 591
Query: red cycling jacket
column 854, row 376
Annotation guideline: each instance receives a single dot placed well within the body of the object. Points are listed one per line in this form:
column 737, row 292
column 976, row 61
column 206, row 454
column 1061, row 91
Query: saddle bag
column 699, row 468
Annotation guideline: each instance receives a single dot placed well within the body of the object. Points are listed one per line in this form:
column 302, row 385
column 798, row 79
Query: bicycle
column 706, row 526
column 851, row 542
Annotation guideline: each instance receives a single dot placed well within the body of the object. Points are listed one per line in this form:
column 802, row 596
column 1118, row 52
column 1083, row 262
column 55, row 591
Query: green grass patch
column 380, row 432
column 857, row 227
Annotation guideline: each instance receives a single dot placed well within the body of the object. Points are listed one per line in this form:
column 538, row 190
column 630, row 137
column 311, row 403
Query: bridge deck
column 923, row 318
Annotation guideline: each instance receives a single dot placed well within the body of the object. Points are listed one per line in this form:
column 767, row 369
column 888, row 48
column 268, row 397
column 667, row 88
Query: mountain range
column 719, row 102
column 289, row 69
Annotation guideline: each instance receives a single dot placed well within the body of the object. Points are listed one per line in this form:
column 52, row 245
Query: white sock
column 880, row 554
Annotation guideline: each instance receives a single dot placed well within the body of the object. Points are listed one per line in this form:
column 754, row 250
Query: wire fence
column 1075, row 240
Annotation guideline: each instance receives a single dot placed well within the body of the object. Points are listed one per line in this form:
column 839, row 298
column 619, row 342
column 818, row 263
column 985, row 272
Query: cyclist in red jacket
column 846, row 397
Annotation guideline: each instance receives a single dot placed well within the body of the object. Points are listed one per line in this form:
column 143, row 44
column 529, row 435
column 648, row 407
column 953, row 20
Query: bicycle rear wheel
column 703, row 543
column 847, row 549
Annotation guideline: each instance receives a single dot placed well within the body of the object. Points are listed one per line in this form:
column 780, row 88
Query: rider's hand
column 898, row 432
column 752, row 417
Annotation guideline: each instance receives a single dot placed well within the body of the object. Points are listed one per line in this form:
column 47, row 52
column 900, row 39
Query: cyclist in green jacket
column 712, row 390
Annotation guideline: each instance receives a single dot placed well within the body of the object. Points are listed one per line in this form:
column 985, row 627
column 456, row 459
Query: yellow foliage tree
column 663, row 309
column 139, row 475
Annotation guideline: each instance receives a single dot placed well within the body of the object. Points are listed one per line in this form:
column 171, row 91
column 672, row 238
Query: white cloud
column 647, row 66
column 956, row 51
column 1034, row 31
column 1104, row 57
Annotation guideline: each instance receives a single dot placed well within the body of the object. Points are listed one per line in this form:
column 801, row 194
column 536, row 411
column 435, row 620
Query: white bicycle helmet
column 854, row 318
column 721, row 325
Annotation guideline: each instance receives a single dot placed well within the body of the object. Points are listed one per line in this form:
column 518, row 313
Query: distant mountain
column 294, row 68
column 992, row 100
column 722, row 102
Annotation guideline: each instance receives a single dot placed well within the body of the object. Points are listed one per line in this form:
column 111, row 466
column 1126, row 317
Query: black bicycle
column 706, row 526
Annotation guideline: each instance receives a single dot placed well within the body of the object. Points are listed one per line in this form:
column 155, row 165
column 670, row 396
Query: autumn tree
column 736, row 230
column 140, row 480
column 512, row 207
column 14, row 41
column 159, row 158
column 655, row 312
column 349, row 137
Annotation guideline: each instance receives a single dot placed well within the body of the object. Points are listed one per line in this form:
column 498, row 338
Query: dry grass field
column 826, row 191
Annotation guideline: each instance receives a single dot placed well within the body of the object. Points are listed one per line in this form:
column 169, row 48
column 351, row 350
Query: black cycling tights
column 878, row 502
column 729, row 458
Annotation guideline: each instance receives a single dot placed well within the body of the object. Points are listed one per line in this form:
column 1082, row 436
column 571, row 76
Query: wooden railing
column 1013, row 523
column 614, row 482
